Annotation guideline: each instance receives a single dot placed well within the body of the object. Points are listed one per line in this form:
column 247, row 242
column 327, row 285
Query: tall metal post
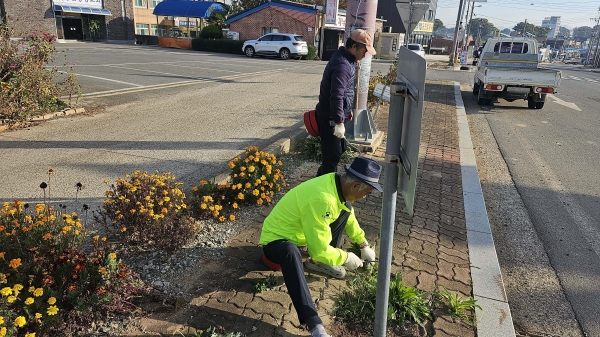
column 362, row 15
column 455, row 38
column 322, row 32
column 388, row 210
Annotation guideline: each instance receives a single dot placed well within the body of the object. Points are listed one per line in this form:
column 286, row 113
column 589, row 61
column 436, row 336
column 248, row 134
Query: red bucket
column 311, row 124
column 272, row 265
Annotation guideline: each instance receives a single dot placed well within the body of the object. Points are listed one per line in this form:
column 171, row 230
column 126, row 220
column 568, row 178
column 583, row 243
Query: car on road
column 571, row 61
column 284, row 46
column 416, row 48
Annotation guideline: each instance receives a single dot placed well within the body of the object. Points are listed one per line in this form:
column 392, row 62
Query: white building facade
column 553, row 23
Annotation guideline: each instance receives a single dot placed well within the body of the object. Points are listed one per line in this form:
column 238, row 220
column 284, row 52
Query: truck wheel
column 475, row 88
column 539, row 105
column 482, row 100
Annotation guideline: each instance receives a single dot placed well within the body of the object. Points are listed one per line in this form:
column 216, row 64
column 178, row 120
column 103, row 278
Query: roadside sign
column 419, row 7
column 464, row 58
column 331, row 12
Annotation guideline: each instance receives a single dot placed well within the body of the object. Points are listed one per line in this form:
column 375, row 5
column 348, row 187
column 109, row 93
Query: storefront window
column 140, row 3
column 267, row 30
column 157, row 30
column 141, row 29
column 153, row 3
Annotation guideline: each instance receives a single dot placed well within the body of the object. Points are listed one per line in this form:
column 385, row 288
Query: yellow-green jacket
column 303, row 217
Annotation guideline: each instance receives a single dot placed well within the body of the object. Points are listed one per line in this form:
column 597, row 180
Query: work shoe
column 333, row 271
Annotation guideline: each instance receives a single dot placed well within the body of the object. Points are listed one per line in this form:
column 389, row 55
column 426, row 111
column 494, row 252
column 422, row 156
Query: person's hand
column 367, row 254
column 339, row 130
column 350, row 116
column 353, row 262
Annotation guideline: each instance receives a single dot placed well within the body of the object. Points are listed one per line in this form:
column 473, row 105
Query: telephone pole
column 455, row 38
column 525, row 28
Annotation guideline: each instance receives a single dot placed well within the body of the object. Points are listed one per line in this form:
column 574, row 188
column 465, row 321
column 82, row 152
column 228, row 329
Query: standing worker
column 315, row 214
column 336, row 97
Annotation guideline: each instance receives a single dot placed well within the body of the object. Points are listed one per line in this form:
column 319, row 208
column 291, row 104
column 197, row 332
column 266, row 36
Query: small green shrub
column 356, row 304
column 266, row 284
column 225, row 46
column 147, row 209
column 312, row 52
column 456, row 305
column 311, row 150
column 211, row 32
column 255, row 179
column 28, row 87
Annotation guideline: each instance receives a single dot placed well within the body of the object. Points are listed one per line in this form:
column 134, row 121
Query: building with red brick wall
column 276, row 16
column 69, row 19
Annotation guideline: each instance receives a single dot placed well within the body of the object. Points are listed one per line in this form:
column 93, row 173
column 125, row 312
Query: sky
column 507, row 13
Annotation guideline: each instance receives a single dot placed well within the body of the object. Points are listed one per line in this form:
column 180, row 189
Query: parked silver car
column 282, row 45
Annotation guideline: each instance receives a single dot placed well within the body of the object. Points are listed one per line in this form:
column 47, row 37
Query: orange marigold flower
column 47, row 236
column 202, row 182
column 102, row 270
column 38, row 292
column 231, row 217
column 256, row 192
column 2, row 255
column 216, row 214
column 15, row 263
column 240, row 196
column 222, row 218
column 259, row 201
column 101, row 291
column 235, row 205
column 112, row 256
column 123, row 229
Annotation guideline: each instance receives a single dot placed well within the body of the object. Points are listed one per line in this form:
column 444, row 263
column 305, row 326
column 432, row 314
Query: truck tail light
column 544, row 90
column 494, row 87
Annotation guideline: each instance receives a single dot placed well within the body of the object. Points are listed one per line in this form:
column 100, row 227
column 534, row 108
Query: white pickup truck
column 508, row 68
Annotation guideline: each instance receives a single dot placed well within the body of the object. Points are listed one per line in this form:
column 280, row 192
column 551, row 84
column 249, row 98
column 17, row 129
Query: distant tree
column 481, row 27
column 218, row 18
column 438, row 24
column 247, row 4
column 531, row 29
column 505, row 31
column 565, row 32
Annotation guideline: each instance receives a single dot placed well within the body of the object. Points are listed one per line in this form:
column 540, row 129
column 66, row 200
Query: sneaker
column 333, row 271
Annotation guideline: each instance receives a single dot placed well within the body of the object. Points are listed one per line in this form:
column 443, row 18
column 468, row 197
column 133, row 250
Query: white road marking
column 563, row 103
column 104, row 79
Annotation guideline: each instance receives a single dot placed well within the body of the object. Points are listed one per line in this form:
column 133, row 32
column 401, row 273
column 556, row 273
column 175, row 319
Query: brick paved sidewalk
column 430, row 250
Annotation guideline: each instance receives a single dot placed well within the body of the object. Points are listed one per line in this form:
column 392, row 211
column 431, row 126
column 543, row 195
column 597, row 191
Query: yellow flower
column 20, row 321
column 31, row 289
column 1, row 320
column 29, row 301
column 38, row 292
column 52, row 310
column 248, row 185
column 17, row 287
column 11, row 299
column 231, row 164
column 102, row 270
column 240, row 196
column 15, row 263
column 203, row 206
column 231, row 217
column 259, row 201
column 104, row 238
column 38, row 315
column 123, row 229
column 256, row 192
column 51, row 300
column 195, row 188
column 222, row 218
column 2, row 332
column 242, row 168
column 112, row 256
column 30, row 334
column 235, row 205
column 251, row 169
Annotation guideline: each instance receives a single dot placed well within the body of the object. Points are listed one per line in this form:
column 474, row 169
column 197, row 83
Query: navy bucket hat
column 366, row 170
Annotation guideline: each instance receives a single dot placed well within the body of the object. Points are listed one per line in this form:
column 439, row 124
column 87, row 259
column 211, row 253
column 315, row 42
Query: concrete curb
column 66, row 112
column 494, row 319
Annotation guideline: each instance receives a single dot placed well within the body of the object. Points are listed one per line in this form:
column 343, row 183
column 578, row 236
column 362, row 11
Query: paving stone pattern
column 430, row 250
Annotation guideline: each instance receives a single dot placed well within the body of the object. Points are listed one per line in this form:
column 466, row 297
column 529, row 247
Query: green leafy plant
column 147, row 209
column 48, row 284
column 266, row 284
column 311, row 150
column 356, row 304
column 380, row 78
column 28, row 87
column 255, row 178
column 456, row 305
column 211, row 32
column 312, row 52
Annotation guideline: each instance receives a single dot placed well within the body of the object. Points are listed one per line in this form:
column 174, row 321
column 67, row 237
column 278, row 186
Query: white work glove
column 366, row 253
column 339, row 130
column 353, row 262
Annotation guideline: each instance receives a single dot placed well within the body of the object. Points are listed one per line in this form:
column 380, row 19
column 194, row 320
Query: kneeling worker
column 314, row 214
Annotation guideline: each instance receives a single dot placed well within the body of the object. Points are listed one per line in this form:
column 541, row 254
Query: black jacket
column 336, row 96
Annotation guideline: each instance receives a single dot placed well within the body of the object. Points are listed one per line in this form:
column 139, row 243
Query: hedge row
column 218, row 46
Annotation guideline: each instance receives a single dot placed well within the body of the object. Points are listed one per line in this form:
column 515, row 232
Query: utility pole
column 595, row 63
column 455, row 38
column 468, row 28
column 596, row 35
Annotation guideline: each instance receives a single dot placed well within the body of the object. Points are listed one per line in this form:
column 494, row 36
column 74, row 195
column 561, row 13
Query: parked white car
column 282, row 45
column 416, row 48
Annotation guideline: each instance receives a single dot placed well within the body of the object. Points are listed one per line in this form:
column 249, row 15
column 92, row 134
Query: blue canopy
column 83, row 10
column 187, row 8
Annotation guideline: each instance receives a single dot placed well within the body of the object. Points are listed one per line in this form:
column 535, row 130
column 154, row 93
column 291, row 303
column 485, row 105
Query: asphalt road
column 179, row 111
column 553, row 159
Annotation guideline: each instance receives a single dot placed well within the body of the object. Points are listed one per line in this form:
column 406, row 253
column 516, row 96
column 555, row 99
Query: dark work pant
column 288, row 256
column 332, row 148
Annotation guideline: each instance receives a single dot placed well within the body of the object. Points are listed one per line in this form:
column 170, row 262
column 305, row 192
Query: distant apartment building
column 553, row 23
